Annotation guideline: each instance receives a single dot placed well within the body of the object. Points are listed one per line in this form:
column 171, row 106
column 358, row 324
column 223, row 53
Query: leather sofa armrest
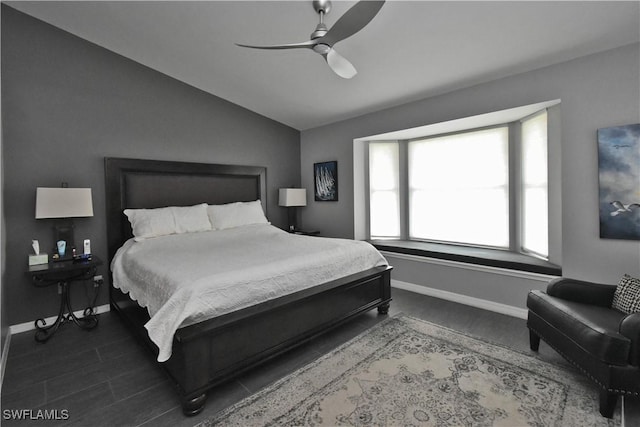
column 630, row 328
column 581, row 291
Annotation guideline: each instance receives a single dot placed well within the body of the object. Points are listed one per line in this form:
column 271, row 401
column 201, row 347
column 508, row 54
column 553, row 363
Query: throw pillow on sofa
column 627, row 295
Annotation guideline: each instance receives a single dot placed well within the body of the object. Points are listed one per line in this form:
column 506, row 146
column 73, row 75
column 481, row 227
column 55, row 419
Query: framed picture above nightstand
column 325, row 177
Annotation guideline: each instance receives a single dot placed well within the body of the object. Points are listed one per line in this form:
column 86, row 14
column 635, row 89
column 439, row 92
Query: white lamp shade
column 63, row 202
column 293, row 197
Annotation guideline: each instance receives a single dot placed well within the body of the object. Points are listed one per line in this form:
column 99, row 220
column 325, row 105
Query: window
column 384, row 190
column 459, row 188
column 535, row 192
column 484, row 187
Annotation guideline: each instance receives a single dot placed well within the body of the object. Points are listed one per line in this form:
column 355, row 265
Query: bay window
column 481, row 187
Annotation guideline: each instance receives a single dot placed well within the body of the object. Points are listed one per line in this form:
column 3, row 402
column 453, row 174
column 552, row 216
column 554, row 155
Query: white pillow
column 148, row 223
column 236, row 214
column 191, row 219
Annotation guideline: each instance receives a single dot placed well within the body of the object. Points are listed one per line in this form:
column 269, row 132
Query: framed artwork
column 619, row 178
column 325, row 177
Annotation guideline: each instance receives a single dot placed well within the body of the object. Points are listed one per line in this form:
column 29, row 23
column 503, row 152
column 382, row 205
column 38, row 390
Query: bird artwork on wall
column 621, row 208
column 619, row 177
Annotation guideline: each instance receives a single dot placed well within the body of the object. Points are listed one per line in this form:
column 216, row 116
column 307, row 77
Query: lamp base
column 293, row 219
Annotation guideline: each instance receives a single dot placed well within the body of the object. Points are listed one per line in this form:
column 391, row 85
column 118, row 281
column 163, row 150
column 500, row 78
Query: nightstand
column 63, row 273
column 306, row 233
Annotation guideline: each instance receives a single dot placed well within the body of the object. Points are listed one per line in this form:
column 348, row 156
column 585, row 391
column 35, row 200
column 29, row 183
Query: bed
column 208, row 352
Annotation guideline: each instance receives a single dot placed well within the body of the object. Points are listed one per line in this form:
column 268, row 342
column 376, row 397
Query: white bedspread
column 186, row 278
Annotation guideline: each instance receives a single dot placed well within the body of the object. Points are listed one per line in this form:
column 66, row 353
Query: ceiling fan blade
column 308, row 45
column 340, row 65
column 352, row 21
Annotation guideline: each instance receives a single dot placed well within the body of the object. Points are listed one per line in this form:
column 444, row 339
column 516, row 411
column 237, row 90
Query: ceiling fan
column 323, row 39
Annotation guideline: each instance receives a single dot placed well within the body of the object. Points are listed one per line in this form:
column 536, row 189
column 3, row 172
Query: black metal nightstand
column 62, row 273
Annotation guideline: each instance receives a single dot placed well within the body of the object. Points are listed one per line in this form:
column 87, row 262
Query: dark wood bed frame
column 214, row 351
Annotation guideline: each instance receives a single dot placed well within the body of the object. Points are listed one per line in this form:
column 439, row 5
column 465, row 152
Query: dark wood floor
column 103, row 378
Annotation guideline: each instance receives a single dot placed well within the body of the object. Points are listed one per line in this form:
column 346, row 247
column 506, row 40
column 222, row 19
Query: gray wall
column 597, row 91
column 68, row 103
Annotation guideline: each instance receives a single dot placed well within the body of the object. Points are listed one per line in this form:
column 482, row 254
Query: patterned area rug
column 407, row 372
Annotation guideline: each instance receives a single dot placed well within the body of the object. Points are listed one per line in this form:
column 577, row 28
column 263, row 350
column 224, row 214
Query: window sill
column 479, row 256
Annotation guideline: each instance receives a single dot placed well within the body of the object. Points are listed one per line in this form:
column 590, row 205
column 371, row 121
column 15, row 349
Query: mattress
column 188, row 278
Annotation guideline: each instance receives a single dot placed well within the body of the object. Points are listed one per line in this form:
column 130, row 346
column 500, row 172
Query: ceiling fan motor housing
column 320, row 31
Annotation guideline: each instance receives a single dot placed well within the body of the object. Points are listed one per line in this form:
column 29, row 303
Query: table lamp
column 291, row 198
column 63, row 203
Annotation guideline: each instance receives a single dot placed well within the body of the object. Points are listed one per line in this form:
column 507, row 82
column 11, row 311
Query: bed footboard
column 211, row 352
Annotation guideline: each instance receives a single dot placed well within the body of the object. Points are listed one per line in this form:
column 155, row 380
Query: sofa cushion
column 593, row 328
column 627, row 295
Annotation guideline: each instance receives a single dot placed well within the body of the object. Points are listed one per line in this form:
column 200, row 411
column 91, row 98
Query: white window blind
column 384, row 198
column 535, row 217
column 459, row 188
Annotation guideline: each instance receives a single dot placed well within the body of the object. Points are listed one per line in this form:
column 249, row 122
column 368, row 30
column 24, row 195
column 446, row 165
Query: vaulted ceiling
column 410, row 50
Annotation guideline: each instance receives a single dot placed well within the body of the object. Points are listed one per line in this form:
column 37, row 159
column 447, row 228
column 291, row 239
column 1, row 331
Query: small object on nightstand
column 82, row 258
column 62, row 247
column 306, row 233
column 36, row 258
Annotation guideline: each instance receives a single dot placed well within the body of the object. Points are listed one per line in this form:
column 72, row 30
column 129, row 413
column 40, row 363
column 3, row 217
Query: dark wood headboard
column 136, row 183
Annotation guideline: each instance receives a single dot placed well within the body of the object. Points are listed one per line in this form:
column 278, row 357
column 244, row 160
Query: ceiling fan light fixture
column 321, row 48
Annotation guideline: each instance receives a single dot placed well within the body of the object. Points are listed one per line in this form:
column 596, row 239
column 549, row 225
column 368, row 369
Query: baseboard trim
column 484, row 304
column 29, row 326
column 5, row 355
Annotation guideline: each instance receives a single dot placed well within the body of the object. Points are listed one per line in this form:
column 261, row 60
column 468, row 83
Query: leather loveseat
column 576, row 319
